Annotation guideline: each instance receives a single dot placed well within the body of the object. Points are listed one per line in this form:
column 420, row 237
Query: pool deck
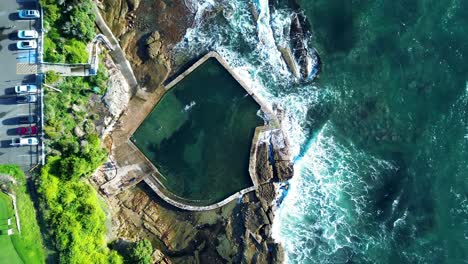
column 132, row 166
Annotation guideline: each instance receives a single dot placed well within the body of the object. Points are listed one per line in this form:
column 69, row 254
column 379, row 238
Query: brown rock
column 138, row 202
column 277, row 253
column 154, row 49
column 126, row 39
column 284, row 170
column 254, row 217
column 158, row 257
column 266, row 193
column 133, row 4
column 264, row 170
column 155, row 36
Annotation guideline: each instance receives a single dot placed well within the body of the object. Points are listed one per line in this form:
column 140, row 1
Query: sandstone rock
column 78, row 131
column 284, row 170
column 118, row 91
column 138, row 202
column 254, row 217
column 126, row 38
column 267, row 194
column 155, row 36
column 133, row 4
column 153, row 49
column 277, row 253
column 224, row 248
column 158, row 257
column 264, row 170
column 151, row 228
column 76, row 108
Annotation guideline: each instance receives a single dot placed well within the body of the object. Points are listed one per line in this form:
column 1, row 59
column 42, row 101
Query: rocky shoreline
column 239, row 232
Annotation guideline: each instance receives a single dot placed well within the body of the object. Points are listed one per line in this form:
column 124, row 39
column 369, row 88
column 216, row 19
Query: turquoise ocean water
column 379, row 139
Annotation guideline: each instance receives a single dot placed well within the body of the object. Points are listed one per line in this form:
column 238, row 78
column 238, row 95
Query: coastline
column 257, row 224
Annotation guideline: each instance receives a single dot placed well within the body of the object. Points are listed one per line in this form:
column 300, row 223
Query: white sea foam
column 322, row 170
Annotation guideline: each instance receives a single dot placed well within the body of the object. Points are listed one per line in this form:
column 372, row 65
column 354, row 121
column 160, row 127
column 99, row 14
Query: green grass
column 8, row 253
column 27, row 246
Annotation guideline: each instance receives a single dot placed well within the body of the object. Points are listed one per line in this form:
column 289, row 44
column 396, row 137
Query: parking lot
column 17, row 67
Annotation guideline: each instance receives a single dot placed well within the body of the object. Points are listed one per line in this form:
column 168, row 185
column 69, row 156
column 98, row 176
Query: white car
column 27, row 141
column 28, row 34
column 26, row 44
column 28, row 14
column 26, row 88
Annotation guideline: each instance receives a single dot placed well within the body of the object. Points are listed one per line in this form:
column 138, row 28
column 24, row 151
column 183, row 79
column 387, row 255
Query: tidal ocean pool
column 199, row 135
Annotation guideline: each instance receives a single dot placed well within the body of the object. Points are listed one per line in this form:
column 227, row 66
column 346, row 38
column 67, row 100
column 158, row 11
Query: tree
column 140, row 252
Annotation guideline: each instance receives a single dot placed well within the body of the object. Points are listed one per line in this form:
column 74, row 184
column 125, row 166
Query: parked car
column 26, row 44
column 27, row 141
column 28, row 34
column 29, row 119
column 31, row 130
column 26, row 14
column 23, row 99
column 26, row 88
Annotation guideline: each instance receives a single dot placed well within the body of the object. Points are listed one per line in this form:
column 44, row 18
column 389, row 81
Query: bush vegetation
column 69, row 204
column 140, row 252
column 69, row 25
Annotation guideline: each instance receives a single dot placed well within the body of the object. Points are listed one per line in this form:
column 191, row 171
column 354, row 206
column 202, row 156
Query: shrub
column 140, row 252
column 52, row 77
column 75, row 51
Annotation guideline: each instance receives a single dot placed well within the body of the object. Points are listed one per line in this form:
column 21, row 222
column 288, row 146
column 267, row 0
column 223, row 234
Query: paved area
column 17, row 67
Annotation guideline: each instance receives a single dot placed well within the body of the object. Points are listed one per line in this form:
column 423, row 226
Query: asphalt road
column 25, row 156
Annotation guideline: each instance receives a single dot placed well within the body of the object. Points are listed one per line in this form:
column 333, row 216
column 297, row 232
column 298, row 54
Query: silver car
column 26, row 88
column 27, row 14
column 26, row 44
column 27, row 141
column 24, row 99
column 27, row 34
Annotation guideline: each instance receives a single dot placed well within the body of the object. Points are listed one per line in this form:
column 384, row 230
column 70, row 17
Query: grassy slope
column 28, row 245
column 8, row 253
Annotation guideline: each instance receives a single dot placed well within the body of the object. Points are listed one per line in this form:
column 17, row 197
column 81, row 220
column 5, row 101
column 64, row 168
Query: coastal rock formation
column 239, row 232
column 146, row 29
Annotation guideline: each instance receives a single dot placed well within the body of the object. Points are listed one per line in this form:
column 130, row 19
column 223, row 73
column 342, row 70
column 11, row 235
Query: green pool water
column 199, row 135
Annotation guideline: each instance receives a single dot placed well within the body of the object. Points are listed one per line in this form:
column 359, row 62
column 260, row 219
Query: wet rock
column 224, row 248
column 254, row 217
column 133, row 4
column 284, row 170
column 263, row 168
column 267, row 194
column 277, row 253
column 280, row 145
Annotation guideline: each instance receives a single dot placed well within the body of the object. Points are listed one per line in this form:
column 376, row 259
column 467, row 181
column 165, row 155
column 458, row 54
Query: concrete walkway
column 66, row 69
column 154, row 186
column 79, row 69
column 117, row 53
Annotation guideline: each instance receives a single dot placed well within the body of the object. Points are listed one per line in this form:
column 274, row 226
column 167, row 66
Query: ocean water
column 379, row 139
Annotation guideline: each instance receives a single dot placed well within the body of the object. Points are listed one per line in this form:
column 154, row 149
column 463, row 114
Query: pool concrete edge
column 135, row 167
